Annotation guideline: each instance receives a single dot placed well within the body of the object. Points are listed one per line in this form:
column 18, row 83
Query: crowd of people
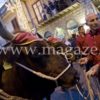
column 89, row 44
column 52, row 7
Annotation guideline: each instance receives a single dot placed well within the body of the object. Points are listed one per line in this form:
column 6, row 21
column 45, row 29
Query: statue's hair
column 4, row 33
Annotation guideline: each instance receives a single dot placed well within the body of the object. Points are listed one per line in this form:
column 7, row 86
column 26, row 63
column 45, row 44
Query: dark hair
column 73, row 35
column 80, row 27
column 47, row 34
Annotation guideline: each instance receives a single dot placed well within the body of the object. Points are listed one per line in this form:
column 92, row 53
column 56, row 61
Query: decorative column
column 22, row 20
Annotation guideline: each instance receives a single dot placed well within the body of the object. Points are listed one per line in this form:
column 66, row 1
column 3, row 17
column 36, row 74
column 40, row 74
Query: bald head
column 92, row 21
column 89, row 16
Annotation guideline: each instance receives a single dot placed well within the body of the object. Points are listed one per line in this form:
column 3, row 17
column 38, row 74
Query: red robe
column 91, row 41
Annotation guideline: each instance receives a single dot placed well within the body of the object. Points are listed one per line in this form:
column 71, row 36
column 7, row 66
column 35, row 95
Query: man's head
column 81, row 30
column 92, row 21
